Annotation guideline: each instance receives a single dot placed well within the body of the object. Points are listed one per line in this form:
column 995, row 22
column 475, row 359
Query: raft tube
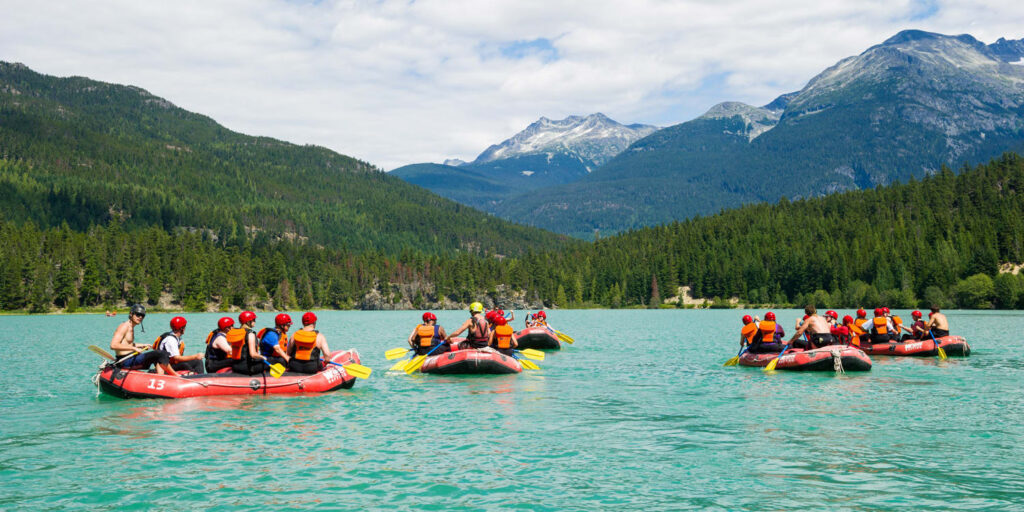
column 471, row 361
column 143, row 384
column 816, row 360
column 539, row 338
column 952, row 345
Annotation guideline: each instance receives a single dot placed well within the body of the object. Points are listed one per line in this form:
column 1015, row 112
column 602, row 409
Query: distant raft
column 952, row 345
column 825, row 359
column 540, row 338
column 471, row 361
column 143, row 384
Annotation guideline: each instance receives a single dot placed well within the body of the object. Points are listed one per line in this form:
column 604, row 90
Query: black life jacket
column 212, row 353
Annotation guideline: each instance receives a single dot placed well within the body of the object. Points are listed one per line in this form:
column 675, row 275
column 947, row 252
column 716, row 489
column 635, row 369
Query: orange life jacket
column 503, row 336
column 880, row 325
column 236, row 338
column 305, row 342
column 767, row 329
column 897, row 322
column 181, row 344
column 282, row 340
column 749, row 331
column 860, row 323
column 427, row 334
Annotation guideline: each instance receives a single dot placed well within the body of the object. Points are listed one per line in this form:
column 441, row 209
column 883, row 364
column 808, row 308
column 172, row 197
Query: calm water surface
column 638, row 413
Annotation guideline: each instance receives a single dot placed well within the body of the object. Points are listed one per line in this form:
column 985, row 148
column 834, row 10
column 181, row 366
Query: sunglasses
column 140, row 315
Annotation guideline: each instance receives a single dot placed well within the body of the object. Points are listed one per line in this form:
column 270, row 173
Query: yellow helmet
column 476, row 307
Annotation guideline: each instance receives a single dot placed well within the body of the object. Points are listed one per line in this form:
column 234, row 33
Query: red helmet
column 282, row 319
column 861, row 313
column 500, row 320
column 747, row 319
column 178, row 323
column 847, row 320
column 832, row 314
column 769, row 316
column 225, row 322
column 540, row 314
column 930, row 314
column 886, row 310
column 246, row 317
column 428, row 316
column 915, row 313
column 500, row 312
column 879, row 311
column 308, row 318
column 489, row 316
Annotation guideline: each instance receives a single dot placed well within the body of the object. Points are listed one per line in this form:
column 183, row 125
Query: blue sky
column 395, row 82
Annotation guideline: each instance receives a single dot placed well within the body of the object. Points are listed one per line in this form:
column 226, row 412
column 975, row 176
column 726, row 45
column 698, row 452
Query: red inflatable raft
column 475, row 361
column 142, row 384
column 825, row 359
column 539, row 338
column 952, row 345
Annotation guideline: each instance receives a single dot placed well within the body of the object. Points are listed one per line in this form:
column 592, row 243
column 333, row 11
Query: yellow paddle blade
column 276, row 370
column 358, row 371
column 414, row 364
column 942, row 352
column 733, row 361
column 529, row 365
column 102, row 353
column 771, row 365
column 395, row 353
column 399, row 365
column 536, row 355
column 565, row 337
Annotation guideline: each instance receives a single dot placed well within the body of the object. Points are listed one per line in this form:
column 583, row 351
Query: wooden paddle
column 775, row 360
column 353, row 369
column 106, row 355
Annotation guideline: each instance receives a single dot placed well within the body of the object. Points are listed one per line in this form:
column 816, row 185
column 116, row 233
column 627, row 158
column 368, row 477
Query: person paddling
column 748, row 333
column 274, row 342
column 307, row 346
column 816, row 328
column 766, row 338
column 478, row 331
column 218, row 351
column 937, row 324
column 123, row 344
column 503, row 337
column 428, row 335
column 248, row 360
column 918, row 330
column 171, row 343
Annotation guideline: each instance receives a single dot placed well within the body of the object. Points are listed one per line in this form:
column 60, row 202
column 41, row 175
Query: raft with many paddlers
column 124, row 383
column 471, row 361
column 824, row 359
column 952, row 345
column 540, row 338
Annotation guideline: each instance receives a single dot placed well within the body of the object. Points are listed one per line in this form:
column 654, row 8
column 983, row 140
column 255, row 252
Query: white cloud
column 396, row 82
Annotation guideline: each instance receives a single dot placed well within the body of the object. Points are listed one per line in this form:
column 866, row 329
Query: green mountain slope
column 84, row 152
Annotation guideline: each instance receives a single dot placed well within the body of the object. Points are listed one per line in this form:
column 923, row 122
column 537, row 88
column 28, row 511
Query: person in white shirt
column 171, row 343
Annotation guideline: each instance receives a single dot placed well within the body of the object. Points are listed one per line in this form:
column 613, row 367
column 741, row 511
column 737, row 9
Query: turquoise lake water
column 639, row 413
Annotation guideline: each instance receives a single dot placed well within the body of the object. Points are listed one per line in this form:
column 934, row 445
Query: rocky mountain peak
column 596, row 138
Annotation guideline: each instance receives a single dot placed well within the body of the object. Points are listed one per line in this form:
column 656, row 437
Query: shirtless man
column 937, row 323
column 816, row 328
column 123, row 344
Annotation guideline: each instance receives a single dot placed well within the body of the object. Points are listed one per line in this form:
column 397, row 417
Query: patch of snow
column 527, row 173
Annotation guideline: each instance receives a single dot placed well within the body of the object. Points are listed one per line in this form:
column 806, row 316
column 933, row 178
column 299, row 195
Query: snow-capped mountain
column 903, row 108
column 595, row 138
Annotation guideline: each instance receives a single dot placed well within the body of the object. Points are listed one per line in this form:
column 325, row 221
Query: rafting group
column 490, row 345
column 825, row 343
column 238, row 360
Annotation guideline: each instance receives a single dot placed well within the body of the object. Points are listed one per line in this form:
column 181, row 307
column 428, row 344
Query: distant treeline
column 939, row 240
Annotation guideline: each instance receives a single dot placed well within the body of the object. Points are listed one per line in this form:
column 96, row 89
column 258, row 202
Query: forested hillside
column 939, row 240
column 83, row 152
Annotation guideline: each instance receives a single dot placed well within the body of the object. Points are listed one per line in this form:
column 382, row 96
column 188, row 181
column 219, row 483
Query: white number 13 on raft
column 155, row 384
